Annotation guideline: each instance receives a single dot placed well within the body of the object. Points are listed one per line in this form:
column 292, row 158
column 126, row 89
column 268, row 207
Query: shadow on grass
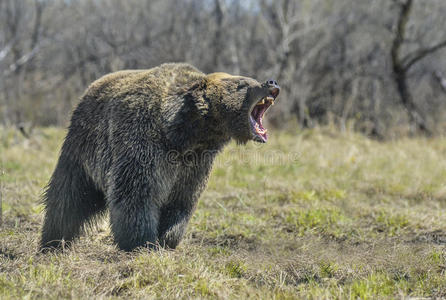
column 437, row 237
column 7, row 254
column 232, row 241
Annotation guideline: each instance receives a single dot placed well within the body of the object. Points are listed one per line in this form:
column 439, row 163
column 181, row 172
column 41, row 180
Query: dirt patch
column 437, row 237
column 227, row 240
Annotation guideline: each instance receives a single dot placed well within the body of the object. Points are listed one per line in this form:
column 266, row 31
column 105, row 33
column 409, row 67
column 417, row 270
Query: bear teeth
column 266, row 99
column 261, row 102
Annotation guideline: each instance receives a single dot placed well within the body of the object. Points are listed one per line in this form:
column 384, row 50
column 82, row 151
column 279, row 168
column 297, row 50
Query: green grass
column 316, row 214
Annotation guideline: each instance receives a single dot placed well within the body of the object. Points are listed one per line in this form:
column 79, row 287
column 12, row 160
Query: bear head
column 240, row 104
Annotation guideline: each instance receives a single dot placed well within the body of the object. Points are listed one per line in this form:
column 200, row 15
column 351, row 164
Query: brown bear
column 141, row 143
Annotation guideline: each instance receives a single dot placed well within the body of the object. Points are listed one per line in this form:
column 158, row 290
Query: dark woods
column 377, row 66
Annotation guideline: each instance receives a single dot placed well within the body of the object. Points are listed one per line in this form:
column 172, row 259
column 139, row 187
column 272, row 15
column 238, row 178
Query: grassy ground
column 317, row 215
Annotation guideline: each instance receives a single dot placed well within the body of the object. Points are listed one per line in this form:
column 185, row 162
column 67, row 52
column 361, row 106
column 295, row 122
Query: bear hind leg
column 71, row 201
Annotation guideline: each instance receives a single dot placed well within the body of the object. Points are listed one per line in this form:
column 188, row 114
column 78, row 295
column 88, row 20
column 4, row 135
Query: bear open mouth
column 256, row 118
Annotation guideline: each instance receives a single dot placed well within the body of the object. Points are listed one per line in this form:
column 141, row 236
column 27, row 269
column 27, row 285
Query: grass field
column 313, row 215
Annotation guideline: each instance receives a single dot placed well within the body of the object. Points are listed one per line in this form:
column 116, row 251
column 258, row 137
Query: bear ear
column 196, row 95
column 218, row 81
column 215, row 78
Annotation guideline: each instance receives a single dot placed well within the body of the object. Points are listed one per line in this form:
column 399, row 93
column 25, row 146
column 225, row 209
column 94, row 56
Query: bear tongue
column 257, row 115
column 258, row 112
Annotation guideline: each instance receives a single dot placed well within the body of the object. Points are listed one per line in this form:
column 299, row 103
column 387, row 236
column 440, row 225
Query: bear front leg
column 173, row 225
column 134, row 225
column 175, row 215
column 136, row 190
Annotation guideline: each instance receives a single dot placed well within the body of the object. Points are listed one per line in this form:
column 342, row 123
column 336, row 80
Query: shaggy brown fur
column 142, row 143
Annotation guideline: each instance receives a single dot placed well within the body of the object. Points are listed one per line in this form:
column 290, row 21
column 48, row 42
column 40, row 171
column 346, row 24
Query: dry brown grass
column 314, row 215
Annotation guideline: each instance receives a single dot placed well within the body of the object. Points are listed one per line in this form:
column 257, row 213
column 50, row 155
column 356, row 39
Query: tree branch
column 409, row 61
column 441, row 80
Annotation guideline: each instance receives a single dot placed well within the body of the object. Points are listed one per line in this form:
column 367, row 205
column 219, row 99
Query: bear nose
column 273, row 87
column 271, row 82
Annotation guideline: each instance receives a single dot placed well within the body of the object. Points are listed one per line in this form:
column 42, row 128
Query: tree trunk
column 400, row 77
column 400, row 70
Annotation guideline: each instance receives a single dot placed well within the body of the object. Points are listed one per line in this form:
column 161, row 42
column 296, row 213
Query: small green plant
column 319, row 220
column 235, row 269
column 391, row 223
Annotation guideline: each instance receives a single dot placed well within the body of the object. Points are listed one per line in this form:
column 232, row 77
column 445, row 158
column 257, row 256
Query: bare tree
column 330, row 57
column 403, row 63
